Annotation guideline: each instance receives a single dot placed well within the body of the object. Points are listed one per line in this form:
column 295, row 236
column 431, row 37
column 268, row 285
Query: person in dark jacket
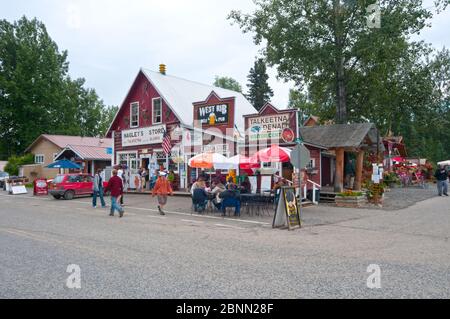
column 199, row 199
column 97, row 188
column 441, row 176
column 230, row 198
column 115, row 186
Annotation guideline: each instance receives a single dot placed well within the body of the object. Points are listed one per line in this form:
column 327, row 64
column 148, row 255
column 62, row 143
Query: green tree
column 227, row 83
column 259, row 91
column 14, row 162
column 299, row 100
column 322, row 44
column 36, row 93
column 106, row 118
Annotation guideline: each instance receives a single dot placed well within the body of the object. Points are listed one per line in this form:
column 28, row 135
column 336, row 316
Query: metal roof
column 89, row 152
column 63, row 140
column 341, row 135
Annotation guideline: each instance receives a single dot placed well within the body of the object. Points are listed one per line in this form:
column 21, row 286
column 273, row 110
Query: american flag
column 166, row 144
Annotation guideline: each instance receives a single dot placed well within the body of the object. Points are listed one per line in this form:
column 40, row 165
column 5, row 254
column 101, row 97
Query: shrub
column 349, row 194
column 12, row 167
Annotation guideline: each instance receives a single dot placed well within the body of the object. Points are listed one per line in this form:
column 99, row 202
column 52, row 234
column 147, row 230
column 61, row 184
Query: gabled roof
column 90, row 153
column 341, row 135
column 63, row 140
column 180, row 94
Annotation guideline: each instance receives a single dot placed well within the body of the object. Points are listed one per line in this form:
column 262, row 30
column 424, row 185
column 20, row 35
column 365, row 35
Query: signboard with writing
column 143, row 136
column 213, row 114
column 287, row 214
column 271, row 127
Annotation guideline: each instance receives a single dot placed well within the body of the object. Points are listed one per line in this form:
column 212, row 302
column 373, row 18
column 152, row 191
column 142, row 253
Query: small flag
column 166, row 143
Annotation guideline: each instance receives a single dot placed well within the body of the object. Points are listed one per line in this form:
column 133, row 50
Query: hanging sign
column 287, row 214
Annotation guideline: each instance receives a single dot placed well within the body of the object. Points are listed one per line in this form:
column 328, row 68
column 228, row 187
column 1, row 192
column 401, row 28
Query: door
column 86, row 184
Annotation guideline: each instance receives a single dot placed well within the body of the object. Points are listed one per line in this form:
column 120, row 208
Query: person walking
column 143, row 178
column 162, row 189
column 121, row 175
column 97, row 188
column 441, row 176
column 115, row 186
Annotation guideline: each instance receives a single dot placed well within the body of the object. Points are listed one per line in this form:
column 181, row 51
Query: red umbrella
column 273, row 154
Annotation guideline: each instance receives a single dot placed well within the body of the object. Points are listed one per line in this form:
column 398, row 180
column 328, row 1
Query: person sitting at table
column 199, row 199
column 218, row 188
column 220, row 177
column 246, row 186
column 230, row 198
column 231, row 185
column 200, row 183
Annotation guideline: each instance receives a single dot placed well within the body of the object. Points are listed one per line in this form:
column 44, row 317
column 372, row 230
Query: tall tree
column 227, row 83
column 259, row 91
column 36, row 93
column 321, row 44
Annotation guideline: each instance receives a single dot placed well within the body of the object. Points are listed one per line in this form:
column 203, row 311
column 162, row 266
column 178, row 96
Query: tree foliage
column 227, row 83
column 352, row 70
column 259, row 91
column 36, row 93
column 14, row 162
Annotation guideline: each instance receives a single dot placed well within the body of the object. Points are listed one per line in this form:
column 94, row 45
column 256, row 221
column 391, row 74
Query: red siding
column 142, row 91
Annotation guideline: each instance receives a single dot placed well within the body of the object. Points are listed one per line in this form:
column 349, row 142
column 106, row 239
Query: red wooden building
column 198, row 118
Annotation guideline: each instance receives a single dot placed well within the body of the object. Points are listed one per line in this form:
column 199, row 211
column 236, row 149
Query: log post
column 339, row 174
column 359, row 170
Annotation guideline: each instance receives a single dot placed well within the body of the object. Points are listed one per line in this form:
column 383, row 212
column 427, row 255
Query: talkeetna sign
column 271, row 127
column 213, row 114
column 143, row 136
column 287, row 214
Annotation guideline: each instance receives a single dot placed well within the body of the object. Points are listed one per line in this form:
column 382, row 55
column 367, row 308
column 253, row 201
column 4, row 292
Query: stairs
column 327, row 197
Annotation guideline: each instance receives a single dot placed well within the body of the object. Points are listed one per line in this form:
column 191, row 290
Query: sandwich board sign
column 287, row 214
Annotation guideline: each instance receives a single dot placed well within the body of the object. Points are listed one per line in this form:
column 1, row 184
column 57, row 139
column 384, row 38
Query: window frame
column 131, row 114
column 160, row 110
column 36, row 157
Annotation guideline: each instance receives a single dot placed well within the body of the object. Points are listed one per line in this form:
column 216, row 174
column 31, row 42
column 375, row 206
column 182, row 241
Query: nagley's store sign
column 271, row 127
column 143, row 136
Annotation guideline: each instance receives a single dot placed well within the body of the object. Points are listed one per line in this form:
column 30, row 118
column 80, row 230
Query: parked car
column 68, row 186
column 3, row 177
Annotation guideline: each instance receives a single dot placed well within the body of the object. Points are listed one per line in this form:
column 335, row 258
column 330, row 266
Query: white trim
column 113, row 157
column 153, row 110
column 131, row 114
column 39, row 155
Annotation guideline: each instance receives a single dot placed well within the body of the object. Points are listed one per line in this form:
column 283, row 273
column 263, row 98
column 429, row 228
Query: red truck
column 68, row 186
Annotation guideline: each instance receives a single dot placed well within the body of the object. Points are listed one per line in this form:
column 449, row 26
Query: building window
column 39, row 159
column 157, row 111
column 312, row 163
column 134, row 114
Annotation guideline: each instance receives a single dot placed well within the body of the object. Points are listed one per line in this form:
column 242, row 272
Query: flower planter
column 351, row 201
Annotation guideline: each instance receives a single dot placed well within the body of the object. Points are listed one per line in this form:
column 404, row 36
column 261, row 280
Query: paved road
column 145, row 255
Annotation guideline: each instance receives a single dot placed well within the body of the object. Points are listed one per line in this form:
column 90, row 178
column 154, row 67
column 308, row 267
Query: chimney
column 162, row 69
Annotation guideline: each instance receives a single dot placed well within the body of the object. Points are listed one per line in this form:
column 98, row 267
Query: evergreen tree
column 259, row 91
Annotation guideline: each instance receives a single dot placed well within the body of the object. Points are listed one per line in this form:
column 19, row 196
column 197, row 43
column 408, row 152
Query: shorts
column 162, row 199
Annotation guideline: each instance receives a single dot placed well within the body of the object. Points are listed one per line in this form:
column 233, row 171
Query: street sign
column 300, row 154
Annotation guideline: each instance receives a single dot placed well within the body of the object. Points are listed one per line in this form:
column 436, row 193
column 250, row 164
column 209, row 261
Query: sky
column 109, row 41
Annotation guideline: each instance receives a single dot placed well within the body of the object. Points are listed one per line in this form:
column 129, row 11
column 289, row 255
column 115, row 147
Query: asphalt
column 145, row 255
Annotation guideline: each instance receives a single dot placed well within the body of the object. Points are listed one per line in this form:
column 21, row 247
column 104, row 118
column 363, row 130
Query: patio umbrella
column 207, row 160
column 272, row 154
column 444, row 163
column 64, row 164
